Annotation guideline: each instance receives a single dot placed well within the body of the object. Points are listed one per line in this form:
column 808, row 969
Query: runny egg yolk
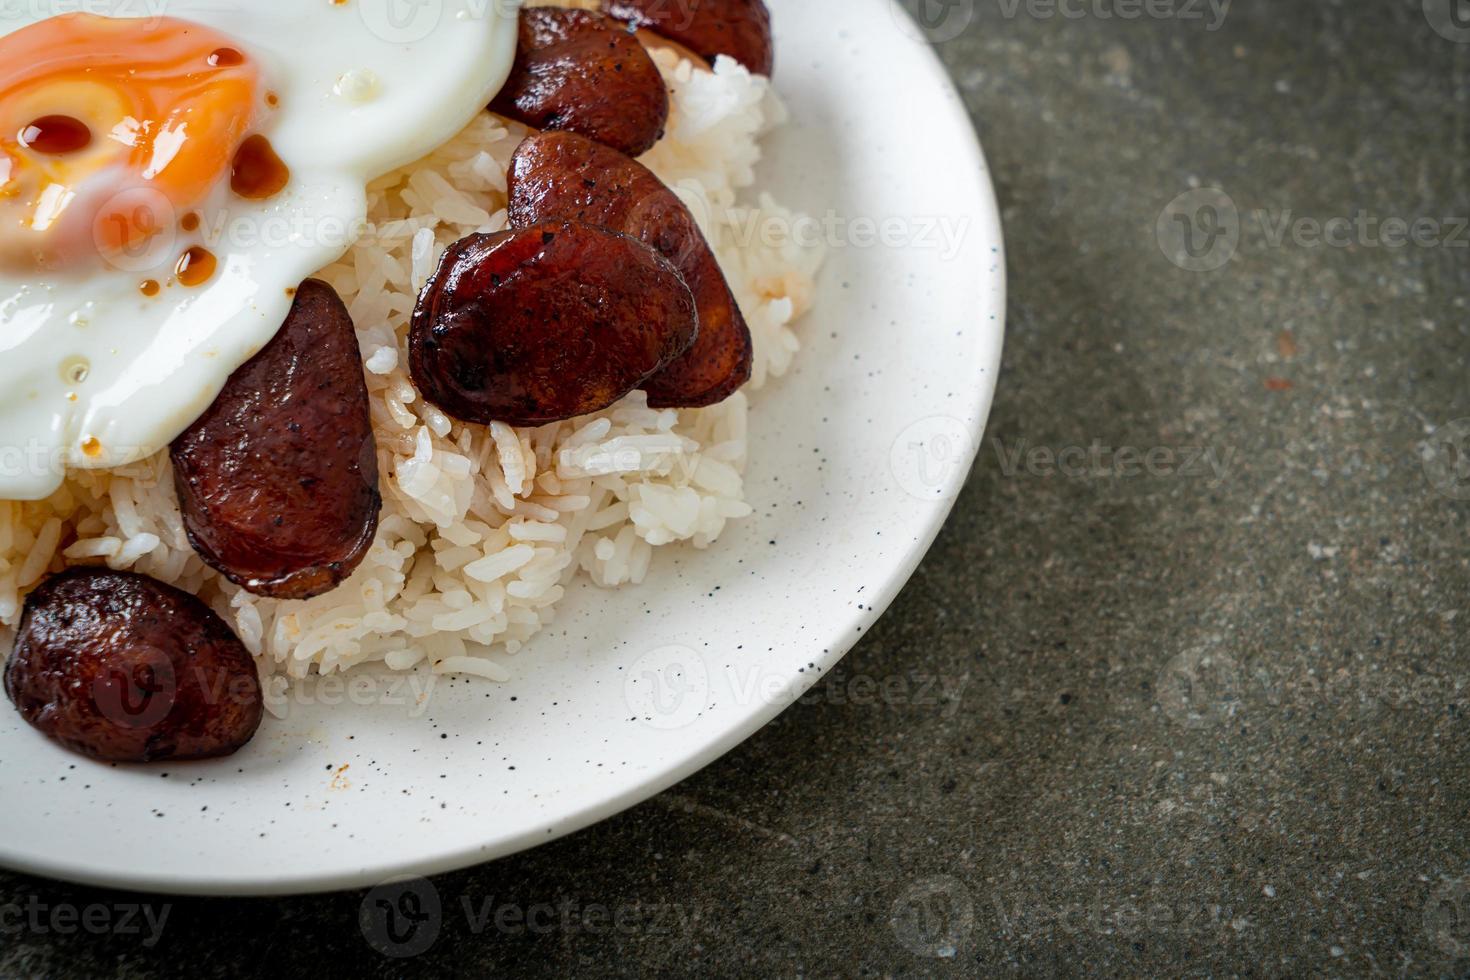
column 110, row 130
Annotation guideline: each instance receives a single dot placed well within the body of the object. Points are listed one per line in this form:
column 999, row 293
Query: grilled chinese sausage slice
column 125, row 669
column 278, row 480
column 562, row 175
column 738, row 28
column 546, row 323
column 581, row 72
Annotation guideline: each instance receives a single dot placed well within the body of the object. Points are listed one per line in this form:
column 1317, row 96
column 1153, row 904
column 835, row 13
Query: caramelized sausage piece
column 125, row 669
column 738, row 28
column 578, row 71
column 278, row 480
column 562, row 175
column 546, row 323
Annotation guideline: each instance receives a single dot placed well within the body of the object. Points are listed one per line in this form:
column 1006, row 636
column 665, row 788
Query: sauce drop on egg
column 56, row 135
column 225, row 58
column 148, row 287
column 195, row 266
column 258, row 173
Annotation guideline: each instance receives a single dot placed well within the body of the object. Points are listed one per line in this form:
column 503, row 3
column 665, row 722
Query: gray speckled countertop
column 1182, row 688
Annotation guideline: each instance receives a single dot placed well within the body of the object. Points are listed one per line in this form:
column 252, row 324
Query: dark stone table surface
column 1195, row 642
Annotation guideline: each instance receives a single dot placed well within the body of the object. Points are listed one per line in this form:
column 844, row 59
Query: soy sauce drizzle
column 56, row 135
column 195, row 266
column 257, row 172
column 225, row 58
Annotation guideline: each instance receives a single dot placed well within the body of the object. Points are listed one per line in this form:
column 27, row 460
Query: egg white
column 365, row 86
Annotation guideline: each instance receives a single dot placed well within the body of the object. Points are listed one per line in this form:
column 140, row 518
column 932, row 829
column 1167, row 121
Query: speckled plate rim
column 839, row 636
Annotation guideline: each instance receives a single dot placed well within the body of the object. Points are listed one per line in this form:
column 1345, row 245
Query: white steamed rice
column 482, row 527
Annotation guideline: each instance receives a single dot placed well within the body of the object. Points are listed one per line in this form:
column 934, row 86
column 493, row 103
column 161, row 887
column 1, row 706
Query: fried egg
column 167, row 181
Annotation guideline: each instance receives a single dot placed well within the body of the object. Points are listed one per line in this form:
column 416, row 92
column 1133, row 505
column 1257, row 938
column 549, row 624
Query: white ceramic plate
column 856, row 458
